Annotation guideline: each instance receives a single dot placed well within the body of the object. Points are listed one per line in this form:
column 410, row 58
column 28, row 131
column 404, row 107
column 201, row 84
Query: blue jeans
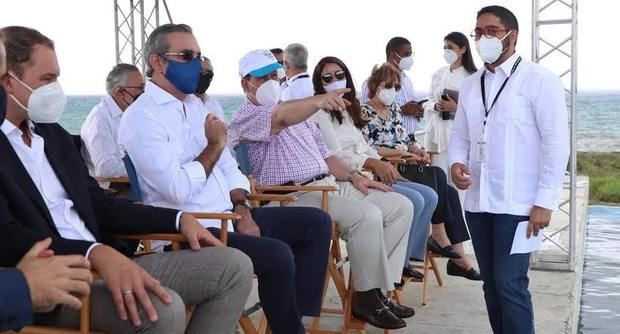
column 509, row 303
column 424, row 201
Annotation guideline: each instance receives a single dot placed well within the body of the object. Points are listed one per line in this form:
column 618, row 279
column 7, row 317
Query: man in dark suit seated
column 41, row 280
column 45, row 191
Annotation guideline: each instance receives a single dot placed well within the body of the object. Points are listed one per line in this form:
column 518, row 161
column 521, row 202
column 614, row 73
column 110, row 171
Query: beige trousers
column 375, row 228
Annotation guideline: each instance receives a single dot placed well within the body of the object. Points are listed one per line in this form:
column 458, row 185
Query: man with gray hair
column 298, row 84
column 99, row 131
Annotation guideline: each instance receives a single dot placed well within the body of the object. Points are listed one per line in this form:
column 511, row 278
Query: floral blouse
column 388, row 132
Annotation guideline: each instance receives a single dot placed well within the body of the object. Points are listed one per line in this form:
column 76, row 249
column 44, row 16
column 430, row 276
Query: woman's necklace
column 381, row 112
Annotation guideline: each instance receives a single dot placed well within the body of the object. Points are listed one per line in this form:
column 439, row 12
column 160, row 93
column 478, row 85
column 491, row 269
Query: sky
column 354, row 31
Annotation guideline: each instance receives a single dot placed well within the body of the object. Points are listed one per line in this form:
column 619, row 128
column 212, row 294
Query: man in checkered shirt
column 285, row 148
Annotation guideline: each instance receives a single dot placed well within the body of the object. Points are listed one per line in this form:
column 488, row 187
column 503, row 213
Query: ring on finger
column 127, row 292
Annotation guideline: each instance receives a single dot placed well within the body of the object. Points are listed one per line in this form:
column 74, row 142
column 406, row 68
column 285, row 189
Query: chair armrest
column 272, row 198
column 120, row 179
column 262, row 188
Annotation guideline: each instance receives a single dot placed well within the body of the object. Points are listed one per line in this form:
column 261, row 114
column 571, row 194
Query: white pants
column 375, row 227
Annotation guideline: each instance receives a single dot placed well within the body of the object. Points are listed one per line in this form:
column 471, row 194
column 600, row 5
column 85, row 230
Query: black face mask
column 204, row 81
column 2, row 104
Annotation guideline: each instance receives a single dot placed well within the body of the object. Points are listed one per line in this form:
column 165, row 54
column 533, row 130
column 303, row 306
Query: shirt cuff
column 547, row 198
column 90, row 249
column 178, row 221
column 196, row 172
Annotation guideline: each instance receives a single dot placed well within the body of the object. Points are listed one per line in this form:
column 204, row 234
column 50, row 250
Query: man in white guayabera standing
column 509, row 148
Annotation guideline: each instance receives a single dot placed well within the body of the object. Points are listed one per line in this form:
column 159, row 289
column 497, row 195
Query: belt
column 291, row 183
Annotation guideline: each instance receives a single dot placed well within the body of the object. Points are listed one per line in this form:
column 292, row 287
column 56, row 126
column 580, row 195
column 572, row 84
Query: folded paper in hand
column 521, row 244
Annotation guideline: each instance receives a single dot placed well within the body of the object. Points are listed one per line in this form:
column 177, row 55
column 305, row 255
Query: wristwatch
column 245, row 202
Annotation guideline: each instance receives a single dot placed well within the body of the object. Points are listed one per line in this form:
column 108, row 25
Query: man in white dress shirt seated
column 298, row 84
column 99, row 131
column 180, row 155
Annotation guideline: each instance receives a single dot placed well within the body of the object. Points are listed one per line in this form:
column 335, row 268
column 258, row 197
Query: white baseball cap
column 258, row 63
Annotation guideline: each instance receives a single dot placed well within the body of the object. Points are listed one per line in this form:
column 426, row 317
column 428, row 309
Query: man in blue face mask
column 178, row 148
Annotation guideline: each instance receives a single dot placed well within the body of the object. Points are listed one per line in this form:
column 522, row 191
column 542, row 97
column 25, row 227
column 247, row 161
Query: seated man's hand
column 333, row 100
column 54, row 280
column 246, row 225
column 386, row 173
column 363, row 184
column 128, row 283
column 196, row 234
column 216, row 131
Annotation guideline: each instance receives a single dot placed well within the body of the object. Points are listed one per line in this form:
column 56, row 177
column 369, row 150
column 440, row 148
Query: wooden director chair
column 335, row 270
column 430, row 262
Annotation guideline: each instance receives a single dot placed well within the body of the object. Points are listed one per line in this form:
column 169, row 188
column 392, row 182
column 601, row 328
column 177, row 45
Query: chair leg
column 436, row 270
column 425, row 279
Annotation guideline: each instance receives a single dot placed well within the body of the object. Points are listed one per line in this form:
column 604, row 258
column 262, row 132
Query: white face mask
column 268, row 93
column 387, row 96
column 450, row 56
column 45, row 104
column 405, row 63
column 340, row 84
column 491, row 48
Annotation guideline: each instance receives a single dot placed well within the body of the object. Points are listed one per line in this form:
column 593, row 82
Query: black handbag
column 419, row 174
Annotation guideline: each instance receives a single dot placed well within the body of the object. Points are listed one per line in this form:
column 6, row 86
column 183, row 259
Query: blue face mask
column 184, row 76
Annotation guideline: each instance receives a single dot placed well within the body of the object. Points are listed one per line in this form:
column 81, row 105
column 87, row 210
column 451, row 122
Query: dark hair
column 379, row 74
column 19, row 43
column 157, row 42
column 462, row 42
column 276, row 51
column 394, row 44
column 355, row 110
column 506, row 17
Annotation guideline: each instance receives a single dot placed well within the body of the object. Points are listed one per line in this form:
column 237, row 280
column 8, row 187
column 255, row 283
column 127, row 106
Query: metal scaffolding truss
column 134, row 20
column 553, row 18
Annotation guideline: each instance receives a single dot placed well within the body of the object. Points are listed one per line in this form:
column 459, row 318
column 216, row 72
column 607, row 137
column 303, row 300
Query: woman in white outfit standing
column 441, row 106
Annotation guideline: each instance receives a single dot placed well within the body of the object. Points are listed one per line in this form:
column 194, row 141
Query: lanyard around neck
column 501, row 88
column 299, row 77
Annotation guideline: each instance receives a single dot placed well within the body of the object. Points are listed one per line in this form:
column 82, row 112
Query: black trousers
column 290, row 259
column 449, row 210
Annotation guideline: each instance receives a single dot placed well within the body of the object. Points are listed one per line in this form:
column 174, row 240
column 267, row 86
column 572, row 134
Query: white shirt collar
column 506, row 66
column 293, row 78
column 8, row 127
column 159, row 95
column 111, row 105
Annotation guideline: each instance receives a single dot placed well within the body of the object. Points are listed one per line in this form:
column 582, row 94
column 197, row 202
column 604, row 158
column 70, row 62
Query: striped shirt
column 296, row 153
column 403, row 96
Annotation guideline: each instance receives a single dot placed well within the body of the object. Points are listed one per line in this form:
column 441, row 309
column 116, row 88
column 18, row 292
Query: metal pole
column 116, row 32
column 142, row 33
column 573, row 141
column 132, row 29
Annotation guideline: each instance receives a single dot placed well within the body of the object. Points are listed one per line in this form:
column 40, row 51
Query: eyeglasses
column 186, row 55
column 389, row 85
column 488, row 32
column 328, row 77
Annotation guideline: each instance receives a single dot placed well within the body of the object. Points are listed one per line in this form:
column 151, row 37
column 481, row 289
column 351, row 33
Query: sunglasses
column 389, row 85
column 186, row 55
column 328, row 77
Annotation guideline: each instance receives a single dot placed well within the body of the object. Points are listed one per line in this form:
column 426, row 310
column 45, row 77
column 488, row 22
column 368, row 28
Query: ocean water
column 600, row 300
column 598, row 117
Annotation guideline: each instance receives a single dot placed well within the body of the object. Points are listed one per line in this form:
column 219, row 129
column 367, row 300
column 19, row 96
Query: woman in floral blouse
column 385, row 132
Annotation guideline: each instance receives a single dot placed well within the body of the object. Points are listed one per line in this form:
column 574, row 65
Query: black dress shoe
column 368, row 307
column 410, row 272
column 399, row 310
column 400, row 284
column 454, row 269
column 415, row 259
column 447, row 251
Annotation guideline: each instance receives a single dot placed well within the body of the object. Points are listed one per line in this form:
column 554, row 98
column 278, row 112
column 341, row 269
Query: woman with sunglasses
column 343, row 135
column 443, row 97
column 385, row 132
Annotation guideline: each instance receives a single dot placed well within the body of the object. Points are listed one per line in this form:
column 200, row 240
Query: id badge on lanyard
column 481, row 148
